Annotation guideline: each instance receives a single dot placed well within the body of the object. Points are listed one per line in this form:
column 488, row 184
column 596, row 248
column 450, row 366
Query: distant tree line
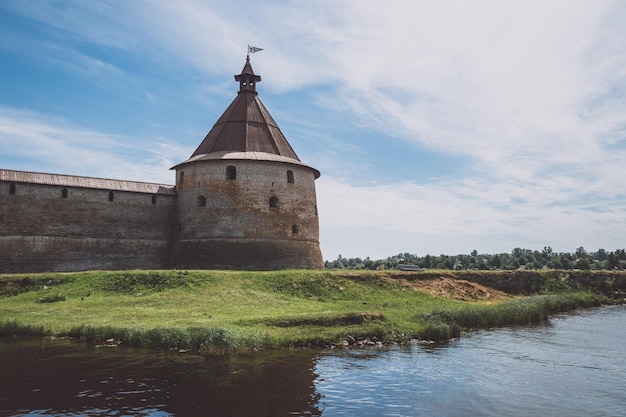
column 518, row 259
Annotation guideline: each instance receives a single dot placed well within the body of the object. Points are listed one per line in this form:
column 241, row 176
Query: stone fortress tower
column 244, row 197
column 243, row 200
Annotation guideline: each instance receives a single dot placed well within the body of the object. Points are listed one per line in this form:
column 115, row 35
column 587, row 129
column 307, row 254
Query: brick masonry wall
column 238, row 212
column 40, row 230
column 56, row 228
column 247, row 254
column 51, row 253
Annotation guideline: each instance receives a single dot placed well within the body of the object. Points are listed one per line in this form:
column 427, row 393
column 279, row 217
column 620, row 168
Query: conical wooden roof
column 246, row 130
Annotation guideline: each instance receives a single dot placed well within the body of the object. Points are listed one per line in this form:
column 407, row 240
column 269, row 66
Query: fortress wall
column 52, row 253
column 249, row 254
column 237, row 209
column 42, row 228
column 241, row 207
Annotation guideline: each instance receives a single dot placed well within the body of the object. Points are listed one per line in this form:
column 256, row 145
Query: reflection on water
column 573, row 366
column 63, row 378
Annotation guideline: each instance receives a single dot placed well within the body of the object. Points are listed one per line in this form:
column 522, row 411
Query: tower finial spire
column 247, row 79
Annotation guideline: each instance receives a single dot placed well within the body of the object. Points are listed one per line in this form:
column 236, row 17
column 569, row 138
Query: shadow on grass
column 345, row 319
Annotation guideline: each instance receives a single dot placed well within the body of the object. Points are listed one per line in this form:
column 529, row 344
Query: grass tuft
column 438, row 331
column 52, row 298
column 201, row 340
column 13, row 328
column 520, row 311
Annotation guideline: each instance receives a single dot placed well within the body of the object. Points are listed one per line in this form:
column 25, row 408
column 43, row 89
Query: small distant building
column 243, row 200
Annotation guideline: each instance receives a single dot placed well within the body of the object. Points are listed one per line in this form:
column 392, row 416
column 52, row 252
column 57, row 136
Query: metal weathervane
column 253, row 49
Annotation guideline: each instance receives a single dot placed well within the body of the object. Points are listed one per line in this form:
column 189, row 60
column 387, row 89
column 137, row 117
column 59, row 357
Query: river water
column 572, row 366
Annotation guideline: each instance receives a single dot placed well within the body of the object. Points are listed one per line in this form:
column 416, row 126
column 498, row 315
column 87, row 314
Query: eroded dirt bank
column 493, row 285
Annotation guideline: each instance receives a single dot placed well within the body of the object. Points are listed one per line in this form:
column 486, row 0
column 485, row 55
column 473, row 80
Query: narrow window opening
column 202, row 201
column 154, row 199
column 294, row 229
column 316, row 209
column 111, row 196
column 12, row 189
column 289, row 177
column 231, row 172
column 274, row 203
column 181, row 178
column 64, row 193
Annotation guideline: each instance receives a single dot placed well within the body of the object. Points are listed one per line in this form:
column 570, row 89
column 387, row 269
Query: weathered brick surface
column 41, row 231
column 249, row 254
column 51, row 253
column 237, row 215
column 44, row 228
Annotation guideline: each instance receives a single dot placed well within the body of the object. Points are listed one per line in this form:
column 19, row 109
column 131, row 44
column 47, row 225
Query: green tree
column 427, row 262
column 537, row 264
column 555, row 263
column 581, row 253
column 600, row 255
column 547, row 252
column 496, row 262
column 519, row 252
column 583, row 263
column 612, row 261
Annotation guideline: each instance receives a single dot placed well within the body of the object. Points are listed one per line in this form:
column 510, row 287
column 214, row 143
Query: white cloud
column 457, row 217
column 32, row 140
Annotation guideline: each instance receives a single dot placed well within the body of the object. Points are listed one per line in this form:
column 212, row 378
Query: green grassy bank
column 218, row 311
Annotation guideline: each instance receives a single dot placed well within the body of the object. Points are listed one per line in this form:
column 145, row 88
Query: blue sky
column 439, row 127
